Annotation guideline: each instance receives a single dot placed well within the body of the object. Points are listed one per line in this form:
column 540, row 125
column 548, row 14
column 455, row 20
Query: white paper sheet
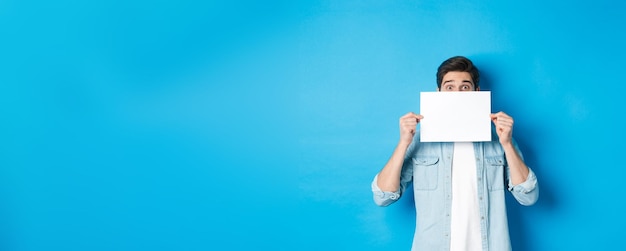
column 455, row 116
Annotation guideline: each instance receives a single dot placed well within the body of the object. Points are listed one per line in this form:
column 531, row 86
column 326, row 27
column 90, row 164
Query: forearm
column 517, row 168
column 389, row 176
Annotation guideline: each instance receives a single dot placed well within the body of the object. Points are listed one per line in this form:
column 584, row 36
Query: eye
column 448, row 87
column 466, row 87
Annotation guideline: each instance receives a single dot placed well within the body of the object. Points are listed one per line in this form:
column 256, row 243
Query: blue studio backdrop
column 259, row 125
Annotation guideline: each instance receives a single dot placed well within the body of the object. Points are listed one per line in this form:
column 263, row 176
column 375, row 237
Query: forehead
column 457, row 76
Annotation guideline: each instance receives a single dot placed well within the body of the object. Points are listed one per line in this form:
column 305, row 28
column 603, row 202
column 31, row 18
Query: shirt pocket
column 425, row 173
column 494, row 167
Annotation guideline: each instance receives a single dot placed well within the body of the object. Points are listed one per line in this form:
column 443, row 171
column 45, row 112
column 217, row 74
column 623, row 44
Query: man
column 458, row 186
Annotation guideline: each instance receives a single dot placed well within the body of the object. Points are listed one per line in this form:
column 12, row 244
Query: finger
column 413, row 116
column 494, row 120
column 411, row 119
column 503, row 115
column 505, row 121
column 408, row 123
column 493, row 117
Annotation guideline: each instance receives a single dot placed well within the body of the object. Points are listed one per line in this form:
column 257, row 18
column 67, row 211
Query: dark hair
column 458, row 63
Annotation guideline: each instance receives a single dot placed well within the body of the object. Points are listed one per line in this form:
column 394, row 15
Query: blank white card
column 455, row 116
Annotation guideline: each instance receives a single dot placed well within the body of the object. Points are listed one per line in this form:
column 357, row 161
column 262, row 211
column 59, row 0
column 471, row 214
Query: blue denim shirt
column 428, row 167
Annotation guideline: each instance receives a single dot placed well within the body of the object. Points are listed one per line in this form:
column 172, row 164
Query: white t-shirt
column 465, row 219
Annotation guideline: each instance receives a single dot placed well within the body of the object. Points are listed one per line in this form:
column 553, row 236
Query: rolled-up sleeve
column 527, row 192
column 383, row 198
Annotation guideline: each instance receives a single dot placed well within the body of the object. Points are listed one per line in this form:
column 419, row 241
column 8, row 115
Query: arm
column 504, row 128
column 522, row 180
column 389, row 177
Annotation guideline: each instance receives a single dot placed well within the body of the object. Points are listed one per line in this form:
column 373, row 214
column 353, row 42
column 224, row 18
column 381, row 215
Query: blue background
column 236, row 125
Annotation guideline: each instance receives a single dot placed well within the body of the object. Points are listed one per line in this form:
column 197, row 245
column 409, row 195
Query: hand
column 408, row 126
column 504, row 126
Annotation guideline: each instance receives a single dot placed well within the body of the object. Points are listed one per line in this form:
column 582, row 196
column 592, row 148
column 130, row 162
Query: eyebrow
column 464, row 81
